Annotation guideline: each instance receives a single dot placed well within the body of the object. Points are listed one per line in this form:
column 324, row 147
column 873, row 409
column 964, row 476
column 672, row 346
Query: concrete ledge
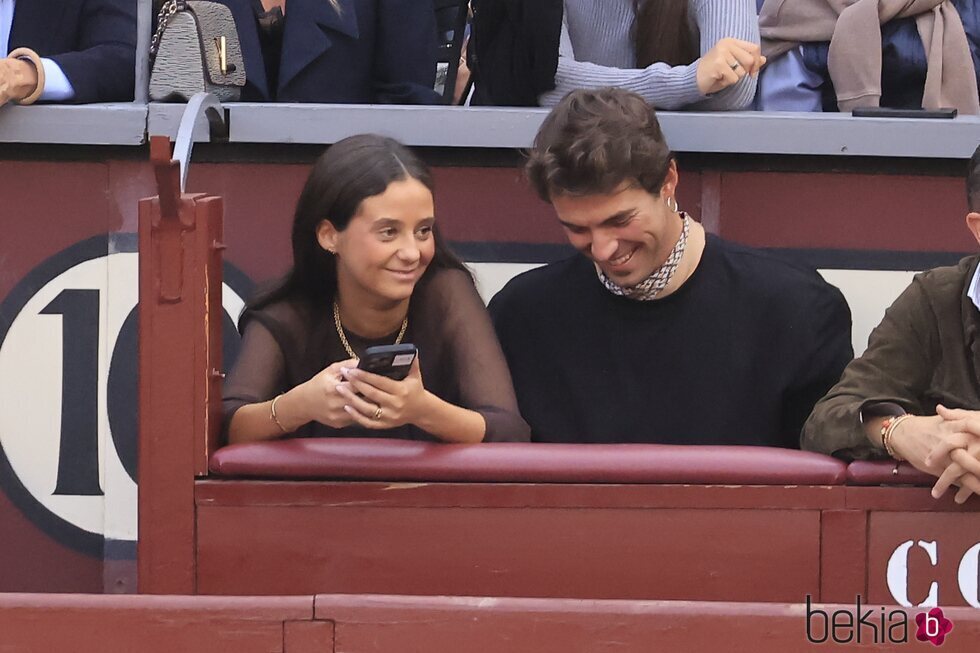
column 477, row 127
column 90, row 124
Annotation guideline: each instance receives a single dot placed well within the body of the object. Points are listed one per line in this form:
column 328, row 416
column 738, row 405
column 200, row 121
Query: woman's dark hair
column 595, row 140
column 662, row 32
column 345, row 175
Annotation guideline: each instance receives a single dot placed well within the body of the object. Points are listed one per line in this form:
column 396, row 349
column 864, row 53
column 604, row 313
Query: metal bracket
column 200, row 104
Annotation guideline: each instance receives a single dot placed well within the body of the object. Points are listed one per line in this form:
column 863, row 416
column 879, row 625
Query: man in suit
column 67, row 50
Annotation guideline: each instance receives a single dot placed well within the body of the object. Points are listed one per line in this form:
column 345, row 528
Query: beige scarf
column 853, row 28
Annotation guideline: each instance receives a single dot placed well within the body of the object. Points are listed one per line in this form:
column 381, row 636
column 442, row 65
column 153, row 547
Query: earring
column 672, row 204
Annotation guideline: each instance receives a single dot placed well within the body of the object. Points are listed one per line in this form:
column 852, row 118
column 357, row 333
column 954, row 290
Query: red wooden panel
column 129, row 182
column 259, row 203
column 30, row 561
column 47, row 207
column 843, row 555
column 308, row 636
column 498, row 205
column 99, row 624
column 474, row 625
column 512, row 495
column 905, row 499
column 591, row 553
column 952, row 537
column 849, row 211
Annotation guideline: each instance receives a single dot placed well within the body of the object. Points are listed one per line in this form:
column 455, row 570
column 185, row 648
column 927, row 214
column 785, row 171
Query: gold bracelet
column 888, row 429
column 275, row 418
column 27, row 53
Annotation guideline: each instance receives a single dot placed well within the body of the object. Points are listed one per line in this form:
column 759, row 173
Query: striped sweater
column 597, row 50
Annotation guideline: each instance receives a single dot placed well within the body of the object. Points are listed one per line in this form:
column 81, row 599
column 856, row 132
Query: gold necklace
column 343, row 336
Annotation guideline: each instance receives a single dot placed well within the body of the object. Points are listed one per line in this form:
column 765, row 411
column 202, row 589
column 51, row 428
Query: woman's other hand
column 727, row 62
column 319, row 400
column 384, row 403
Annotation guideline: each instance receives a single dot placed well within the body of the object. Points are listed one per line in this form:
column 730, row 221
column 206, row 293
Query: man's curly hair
column 593, row 141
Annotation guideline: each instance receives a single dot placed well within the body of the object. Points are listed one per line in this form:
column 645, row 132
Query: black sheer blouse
column 287, row 343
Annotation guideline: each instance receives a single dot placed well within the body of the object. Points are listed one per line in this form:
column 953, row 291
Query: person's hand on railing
column 959, row 453
column 18, row 80
column 927, row 443
column 726, row 63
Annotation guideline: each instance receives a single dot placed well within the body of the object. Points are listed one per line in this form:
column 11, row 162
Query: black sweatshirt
column 737, row 355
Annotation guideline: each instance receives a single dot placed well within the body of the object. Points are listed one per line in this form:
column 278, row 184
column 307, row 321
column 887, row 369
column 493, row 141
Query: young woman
column 369, row 269
column 701, row 54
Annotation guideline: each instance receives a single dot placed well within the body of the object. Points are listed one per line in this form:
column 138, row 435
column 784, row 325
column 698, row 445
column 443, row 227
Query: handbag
column 195, row 49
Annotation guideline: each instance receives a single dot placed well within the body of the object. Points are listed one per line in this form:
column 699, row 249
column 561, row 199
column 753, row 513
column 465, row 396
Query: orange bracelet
column 30, row 55
column 888, row 427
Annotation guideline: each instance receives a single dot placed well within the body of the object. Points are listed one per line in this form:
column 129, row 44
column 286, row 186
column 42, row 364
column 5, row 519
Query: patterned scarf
column 653, row 285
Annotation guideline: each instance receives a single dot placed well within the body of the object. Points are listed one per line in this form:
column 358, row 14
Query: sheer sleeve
column 258, row 375
column 477, row 362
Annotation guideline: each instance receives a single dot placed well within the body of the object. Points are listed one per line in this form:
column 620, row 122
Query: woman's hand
column 384, row 403
column 319, row 399
column 727, row 62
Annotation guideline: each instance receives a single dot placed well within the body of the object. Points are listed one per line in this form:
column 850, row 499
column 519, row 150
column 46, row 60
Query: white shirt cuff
column 57, row 88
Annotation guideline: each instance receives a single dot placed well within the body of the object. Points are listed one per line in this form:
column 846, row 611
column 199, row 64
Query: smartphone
column 392, row 361
column 885, row 112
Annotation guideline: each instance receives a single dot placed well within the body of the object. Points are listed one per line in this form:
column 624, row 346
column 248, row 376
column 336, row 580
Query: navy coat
column 93, row 41
column 374, row 51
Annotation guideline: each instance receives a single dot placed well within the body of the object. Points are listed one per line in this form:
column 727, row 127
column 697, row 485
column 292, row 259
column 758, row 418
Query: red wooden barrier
column 391, row 624
column 690, row 523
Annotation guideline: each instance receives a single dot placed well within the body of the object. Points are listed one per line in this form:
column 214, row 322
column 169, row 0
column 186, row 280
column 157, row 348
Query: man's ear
column 973, row 224
column 669, row 187
column 327, row 235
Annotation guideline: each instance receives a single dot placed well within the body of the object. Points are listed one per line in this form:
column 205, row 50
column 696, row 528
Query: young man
column 922, row 361
column 656, row 331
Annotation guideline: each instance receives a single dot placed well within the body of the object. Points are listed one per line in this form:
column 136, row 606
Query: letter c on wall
column 968, row 576
column 898, row 574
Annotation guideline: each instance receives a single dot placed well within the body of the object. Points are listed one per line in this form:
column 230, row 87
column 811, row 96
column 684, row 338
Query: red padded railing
column 400, row 460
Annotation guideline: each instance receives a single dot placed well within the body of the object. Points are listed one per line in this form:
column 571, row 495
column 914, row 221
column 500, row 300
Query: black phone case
column 381, row 359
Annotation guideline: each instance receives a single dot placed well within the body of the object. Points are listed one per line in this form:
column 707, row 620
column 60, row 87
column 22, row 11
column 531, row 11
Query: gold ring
column 377, row 414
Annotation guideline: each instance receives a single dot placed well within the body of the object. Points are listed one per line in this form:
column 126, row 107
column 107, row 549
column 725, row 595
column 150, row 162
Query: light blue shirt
column 57, row 88
column 974, row 291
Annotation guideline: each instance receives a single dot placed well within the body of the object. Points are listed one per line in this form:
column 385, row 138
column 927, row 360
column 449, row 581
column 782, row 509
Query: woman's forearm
column 451, row 423
column 254, row 422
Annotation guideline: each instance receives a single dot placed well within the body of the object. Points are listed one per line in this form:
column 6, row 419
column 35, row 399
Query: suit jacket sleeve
column 101, row 63
column 896, row 368
column 405, row 65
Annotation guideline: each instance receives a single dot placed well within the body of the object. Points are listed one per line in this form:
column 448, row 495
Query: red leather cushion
column 881, row 472
column 402, row 460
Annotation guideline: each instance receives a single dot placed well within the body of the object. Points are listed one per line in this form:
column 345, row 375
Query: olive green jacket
column 926, row 351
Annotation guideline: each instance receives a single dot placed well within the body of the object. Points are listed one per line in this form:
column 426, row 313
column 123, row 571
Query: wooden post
column 179, row 363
